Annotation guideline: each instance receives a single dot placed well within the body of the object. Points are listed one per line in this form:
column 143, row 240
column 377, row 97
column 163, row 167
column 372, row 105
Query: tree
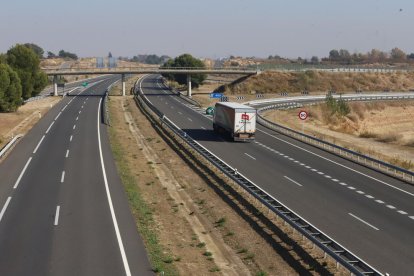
column 26, row 63
column 10, row 89
column 315, row 60
column 398, row 54
column 37, row 49
column 51, row 55
column 185, row 61
column 334, row 55
column 64, row 54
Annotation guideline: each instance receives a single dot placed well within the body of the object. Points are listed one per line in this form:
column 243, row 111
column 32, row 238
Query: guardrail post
column 55, row 93
column 189, row 85
column 123, row 84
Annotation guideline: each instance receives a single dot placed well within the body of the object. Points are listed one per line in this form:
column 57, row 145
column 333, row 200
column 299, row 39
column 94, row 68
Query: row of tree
column 20, row 76
column 151, row 59
column 374, row 56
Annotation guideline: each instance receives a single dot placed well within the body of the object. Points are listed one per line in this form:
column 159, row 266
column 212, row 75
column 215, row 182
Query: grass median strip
column 140, row 209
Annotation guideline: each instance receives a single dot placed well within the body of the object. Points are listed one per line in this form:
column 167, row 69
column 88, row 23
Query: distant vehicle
column 237, row 120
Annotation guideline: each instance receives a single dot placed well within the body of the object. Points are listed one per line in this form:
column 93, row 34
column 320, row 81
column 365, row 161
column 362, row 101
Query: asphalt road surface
column 367, row 212
column 63, row 210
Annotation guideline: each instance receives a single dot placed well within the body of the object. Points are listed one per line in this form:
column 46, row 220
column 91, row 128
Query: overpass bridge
column 146, row 70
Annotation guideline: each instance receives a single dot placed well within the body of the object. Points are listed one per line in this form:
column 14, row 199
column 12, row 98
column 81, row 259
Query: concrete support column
column 55, row 92
column 123, row 84
column 189, row 85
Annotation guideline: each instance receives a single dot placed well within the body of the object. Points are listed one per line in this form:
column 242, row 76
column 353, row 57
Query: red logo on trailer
column 245, row 117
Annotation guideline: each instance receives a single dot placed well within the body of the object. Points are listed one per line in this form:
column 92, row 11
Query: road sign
column 210, row 110
column 216, row 95
column 303, row 115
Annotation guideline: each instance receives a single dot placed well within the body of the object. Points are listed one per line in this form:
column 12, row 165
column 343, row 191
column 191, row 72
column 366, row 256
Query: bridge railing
column 338, row 252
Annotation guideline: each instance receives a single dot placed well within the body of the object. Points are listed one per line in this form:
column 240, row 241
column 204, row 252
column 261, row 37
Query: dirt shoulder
column 21, row 121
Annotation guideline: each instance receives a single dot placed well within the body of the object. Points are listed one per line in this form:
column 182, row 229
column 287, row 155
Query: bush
column 10, row 89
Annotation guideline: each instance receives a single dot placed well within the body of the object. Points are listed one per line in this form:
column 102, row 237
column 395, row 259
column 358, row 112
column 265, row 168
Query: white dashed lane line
column 62, row 178
column 189, row 119
column 293, row 181
column 22, row 173
column 74, row 126
column 3, row 210
column 363, row 221
column 57, row 215
column 50, row 127
column 250, row 156
column 67, row 154
column 58, row 115
column 70, row 139
column 38, row 145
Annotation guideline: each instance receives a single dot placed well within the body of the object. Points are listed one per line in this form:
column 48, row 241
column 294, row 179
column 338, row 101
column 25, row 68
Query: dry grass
column 314, row 81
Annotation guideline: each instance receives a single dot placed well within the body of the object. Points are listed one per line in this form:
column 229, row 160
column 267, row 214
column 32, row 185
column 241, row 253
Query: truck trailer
column 237, row 120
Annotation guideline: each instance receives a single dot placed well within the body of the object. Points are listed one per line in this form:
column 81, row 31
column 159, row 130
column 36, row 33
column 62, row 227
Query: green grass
column 141, row 211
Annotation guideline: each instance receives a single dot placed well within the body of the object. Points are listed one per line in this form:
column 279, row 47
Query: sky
column 208, row 28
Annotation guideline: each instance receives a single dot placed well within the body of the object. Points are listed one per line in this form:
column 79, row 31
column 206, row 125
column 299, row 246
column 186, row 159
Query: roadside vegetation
column 185, row 61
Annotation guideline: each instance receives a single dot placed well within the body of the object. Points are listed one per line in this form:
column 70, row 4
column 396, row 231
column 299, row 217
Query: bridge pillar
column 189, row 85
column 123, row 84
column 55, row 78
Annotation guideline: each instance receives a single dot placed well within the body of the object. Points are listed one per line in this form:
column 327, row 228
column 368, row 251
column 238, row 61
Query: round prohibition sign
column 303, row 115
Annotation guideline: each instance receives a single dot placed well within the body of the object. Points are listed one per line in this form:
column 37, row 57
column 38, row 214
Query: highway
column 63, row 210
column 368, row 213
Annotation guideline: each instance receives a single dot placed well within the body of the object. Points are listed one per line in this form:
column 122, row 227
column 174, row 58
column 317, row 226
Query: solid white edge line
column 50, row 127
column 118, row 235
column 21, row 174
column 38, row 144
column 291, row 180
column 336, row 163
column 5, row 207
column 250, row 156
column 62, row 178
column 57, row 215
column 363, row 221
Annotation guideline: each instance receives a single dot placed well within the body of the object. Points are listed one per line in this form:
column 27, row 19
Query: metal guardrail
column 384, row 167
column 338, row 252
column 4, row 150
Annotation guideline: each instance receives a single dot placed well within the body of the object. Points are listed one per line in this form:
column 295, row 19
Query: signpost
column 303, row 115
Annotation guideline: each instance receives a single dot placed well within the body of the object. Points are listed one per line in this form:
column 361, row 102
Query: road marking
column 180, row 113
column 369, row 196
column 5, row 207
column 21, row 174
column 58, row 115
column 111, row 207
column 203, row 127
column 361, row 220
column 250, row 156
column 339, row 164
column 63, row 109
column 189, row 119
column 411, row 217
column 328, row 176
column 321, row 173
column 343, row 184
column 402, row 212
column 172, row 107
column 38, row 144
column 57, row 215
column 62, row 178
column 70, row 139
column 74, row 126
column 80, row 111
column 360, row 192
column 50, row 127
column 308, row 167
column 351, row 188
column 379, row 201
column 67, row 154
column 82, row 106
column 314, row 170
column 335, row 180
column 390, row 206
column 77, row 118
column 293, row 181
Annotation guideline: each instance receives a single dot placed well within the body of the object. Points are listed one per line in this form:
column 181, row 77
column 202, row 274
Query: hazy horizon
column 212, row 29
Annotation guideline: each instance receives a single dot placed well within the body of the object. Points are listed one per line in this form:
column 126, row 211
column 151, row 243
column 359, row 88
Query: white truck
column 238, row 120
